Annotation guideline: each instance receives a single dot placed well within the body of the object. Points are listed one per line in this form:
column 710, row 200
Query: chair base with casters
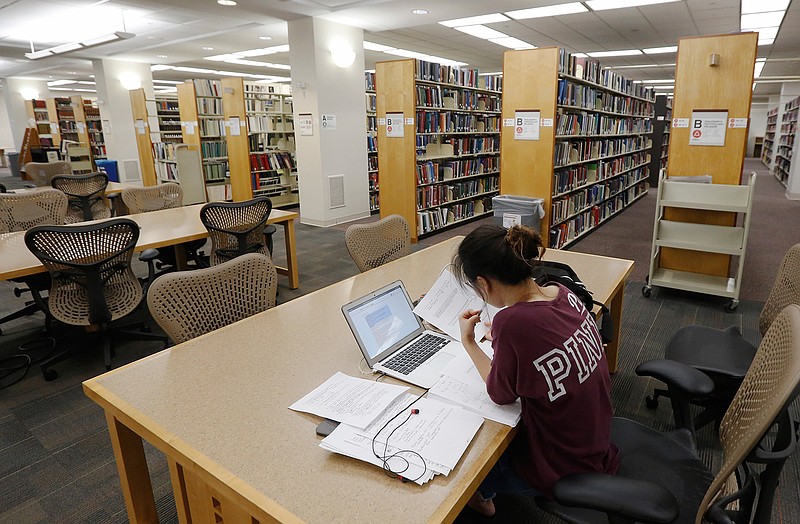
column 36, row 284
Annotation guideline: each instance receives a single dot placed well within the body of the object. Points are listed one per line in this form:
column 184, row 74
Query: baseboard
column 334, row 221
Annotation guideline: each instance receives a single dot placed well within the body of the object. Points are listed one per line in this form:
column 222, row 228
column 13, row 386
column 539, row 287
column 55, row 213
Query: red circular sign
column 519, row 130
column 696, row 133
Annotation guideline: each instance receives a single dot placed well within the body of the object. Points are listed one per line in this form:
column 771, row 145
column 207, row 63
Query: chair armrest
column 640, row 500
column 677, row 375
column 148, row 255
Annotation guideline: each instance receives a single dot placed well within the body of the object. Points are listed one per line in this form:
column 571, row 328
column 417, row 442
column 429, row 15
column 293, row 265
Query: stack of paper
column 462, row 385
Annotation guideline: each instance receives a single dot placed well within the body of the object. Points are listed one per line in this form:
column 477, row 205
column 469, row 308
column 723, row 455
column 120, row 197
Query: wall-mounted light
column 29, row 93
column 130, row 81
column 343, row 55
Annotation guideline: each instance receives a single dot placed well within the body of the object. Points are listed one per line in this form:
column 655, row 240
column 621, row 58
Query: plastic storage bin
column 109, row 167
column 13, row 163
column 510, row 210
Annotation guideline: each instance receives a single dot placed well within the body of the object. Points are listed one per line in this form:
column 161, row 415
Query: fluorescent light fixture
column 86, row 83
column 480, row 31
column 171, row 82
column 620, row 52
column 496, row 73
column 419, row 11
column 767, row 32
column 580, row 55
column 194, row 70
column 759, row 20
column 226, row 3
column 666, row 81
column 55, row 83
column 758, row 68
column 473, row 20
column 512, row 43
column 161, row 67
column 372, row 46
column 548, row 10
column 603, row 5
column 74, row 46
column 641, row 66
column 406, row 53
column 71, row 89
column 662, row 87
column 766, row 41
column 763, row 6
column 658, row 50
column 265, row 37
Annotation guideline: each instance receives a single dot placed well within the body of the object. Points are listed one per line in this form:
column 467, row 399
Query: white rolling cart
column 728, row 240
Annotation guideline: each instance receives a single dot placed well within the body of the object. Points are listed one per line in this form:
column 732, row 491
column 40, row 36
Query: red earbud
column 414, row 411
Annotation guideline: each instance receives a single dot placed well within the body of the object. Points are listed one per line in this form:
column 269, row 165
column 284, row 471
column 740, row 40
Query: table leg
column 291, row 254
column 133, row 473
column 612, row 348
column 180, row 257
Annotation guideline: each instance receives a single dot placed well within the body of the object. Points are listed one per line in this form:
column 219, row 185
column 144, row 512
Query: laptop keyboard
column 415, row 354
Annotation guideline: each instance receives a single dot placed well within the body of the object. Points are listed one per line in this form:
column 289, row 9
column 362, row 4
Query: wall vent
column 336, row 186
column 130, row 171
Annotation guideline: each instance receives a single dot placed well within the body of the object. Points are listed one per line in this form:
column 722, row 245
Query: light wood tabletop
column 217, row 406
column 158, row 229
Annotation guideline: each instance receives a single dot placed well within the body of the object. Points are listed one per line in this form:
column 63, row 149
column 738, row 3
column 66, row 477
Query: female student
column 548, row 353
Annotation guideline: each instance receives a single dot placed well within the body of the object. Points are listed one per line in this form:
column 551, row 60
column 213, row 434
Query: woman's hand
column 466, row 323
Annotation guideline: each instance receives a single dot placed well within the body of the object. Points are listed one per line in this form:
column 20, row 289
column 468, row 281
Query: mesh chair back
column 236, row 228
column 152, row 198
column 188, row 304
column 85, row 194
column 90, row 267
column 785, row 290
column 372, row 245
column 22, row 211
column 41, row 173
column 769, row 386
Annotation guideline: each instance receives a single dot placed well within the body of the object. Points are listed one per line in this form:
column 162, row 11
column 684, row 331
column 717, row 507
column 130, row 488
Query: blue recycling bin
column 109, row 167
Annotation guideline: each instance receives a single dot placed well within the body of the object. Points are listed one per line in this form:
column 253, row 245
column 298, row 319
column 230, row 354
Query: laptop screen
column 381, row 320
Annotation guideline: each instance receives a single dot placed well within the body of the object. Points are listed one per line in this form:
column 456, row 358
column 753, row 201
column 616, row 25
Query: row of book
column 369, row 81
column 568, row 231
column 435, row 196
column 575, row 177
column 215, row 149
column 446, row 74
column 471, row 145
column 216, row 171
column 166, row 171
column 98, row 150
column 374, row 202
column 209, row 106
column 164, row 151
column 372, row 123
column 166, row 106
column 587, row 97
column 211, row 128
column 437, row 218
column 204, row 87
column 41, row 117
column 564, row 207
column 449, row 122
column 570, row 152
column 277, row 105
column 260, row 142
column 372, row 102
column 432, row 172
column 582, row 123
column 491, row 82
column 269, row 124
column 271, row 161
column 372, row 144
column 372, row 163
column 590, row 70
column 170, row 125
column 373, row 181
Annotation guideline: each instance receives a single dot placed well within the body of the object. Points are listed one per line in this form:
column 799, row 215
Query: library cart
column 728, row 240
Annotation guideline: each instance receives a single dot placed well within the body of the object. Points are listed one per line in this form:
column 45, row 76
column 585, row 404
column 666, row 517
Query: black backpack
column 546, row 272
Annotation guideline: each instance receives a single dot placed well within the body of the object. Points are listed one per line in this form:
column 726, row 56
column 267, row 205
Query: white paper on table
column 443, row 304
column 350, row 400
column 462, row 385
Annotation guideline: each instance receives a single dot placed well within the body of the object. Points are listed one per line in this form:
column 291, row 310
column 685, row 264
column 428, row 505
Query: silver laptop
column 394, row 341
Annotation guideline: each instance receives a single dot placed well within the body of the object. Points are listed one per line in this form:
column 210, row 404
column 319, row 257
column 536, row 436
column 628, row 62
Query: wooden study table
column 166, row 227
column 217, row 406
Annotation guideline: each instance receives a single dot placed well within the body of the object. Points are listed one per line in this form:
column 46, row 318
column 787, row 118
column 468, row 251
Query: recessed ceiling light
column 474, row 20
column 759, row 20
column 226, row 2
column 763, row 6
column 548, row 10
column 265, row 37
column 372, row 46
column 419, row 11
column 207, row 48
column 480, row 31
column 657, row 50
column 162, row 56
column 512, row 43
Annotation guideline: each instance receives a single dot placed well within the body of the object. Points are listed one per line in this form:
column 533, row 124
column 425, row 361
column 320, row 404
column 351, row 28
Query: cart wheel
column 647, row 291
column 49, row 374
column 651, row 402
column 731, row 306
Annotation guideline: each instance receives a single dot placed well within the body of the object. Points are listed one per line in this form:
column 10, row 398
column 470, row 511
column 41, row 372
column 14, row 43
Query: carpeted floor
column 56, row 462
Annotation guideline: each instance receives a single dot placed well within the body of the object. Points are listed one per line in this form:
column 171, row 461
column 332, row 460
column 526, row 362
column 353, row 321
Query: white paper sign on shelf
column 680, row 122
column 508, row 122
column 106, row 127
column 547, row 122
column 305, row 123
column 737, row 123
column 53, row 128
column 526, row 125
column 708, row 128
column 381, row 121
column 81, row 127
column 409, row 121
column 234, row 125
column 394, row 125
column 328, row 122
column 139, row 125
column 189, row 126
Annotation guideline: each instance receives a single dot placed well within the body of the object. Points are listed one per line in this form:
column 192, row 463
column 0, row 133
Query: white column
column 114, row 102
column 332, row 162
column 788, row 93
column 15, row 105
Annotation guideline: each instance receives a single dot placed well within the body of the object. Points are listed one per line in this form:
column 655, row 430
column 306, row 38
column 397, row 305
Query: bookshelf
column 769, row 137
column 261, row 145
column 372, row 142
column 39, row 115
column 67, row 125
column 165, row 139
column 202, row 125
column 783, row 155
column 662, row 125
column 445, row 168
column 592, row 156
column 94, row 129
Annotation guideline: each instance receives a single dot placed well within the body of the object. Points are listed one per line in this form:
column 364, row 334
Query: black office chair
column 85, row 193
column 237, row 228
column 662, row 480
column 92, row 280
column 721, row 354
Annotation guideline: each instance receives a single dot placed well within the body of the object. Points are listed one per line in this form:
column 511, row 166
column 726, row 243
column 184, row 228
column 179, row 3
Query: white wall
column 6, row 138
column 15, row 105
column 758, row 124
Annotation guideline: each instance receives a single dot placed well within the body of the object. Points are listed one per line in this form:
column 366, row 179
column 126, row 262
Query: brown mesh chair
column 85, row 193
column 722, row 354
column 22, row 211
column 154, row 198
column 92, row 280
column 41, row 173
column 372, row 245
column 662, row 480
column 188, row 304
column 237, row 228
